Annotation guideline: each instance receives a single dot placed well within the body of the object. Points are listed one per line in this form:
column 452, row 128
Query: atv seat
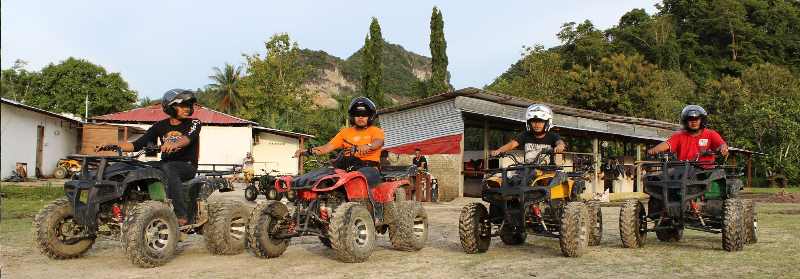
column 391, row 173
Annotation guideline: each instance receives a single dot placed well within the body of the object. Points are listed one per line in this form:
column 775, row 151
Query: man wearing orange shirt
column 366, row 138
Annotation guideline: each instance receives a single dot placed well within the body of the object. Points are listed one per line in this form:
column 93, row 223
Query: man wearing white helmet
column 537, row 136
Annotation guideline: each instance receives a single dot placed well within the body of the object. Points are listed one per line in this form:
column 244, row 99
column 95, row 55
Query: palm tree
column 225, row 88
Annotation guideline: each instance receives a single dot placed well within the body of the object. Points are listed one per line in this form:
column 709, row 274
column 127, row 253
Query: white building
column 226, row 139
column 34, row 137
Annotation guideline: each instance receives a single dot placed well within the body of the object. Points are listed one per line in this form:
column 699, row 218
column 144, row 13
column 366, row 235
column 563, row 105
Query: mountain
column 332, row 76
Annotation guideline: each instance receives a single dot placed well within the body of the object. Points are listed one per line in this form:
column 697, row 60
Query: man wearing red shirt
column 694, row 139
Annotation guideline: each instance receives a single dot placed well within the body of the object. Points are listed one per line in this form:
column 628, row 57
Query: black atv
column 124, row 198
column 263, row 185
column 689, row 194
column 542, row 199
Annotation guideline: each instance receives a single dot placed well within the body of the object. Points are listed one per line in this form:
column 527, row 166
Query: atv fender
column 384, row 192
column 354, row 184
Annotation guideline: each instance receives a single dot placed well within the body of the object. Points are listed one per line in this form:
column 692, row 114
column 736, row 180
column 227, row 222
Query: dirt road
column 698, row 255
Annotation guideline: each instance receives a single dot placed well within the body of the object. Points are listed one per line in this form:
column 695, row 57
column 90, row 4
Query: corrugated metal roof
column 421, row 123
column 27, row 107
column 154, row 113
column 523, row 103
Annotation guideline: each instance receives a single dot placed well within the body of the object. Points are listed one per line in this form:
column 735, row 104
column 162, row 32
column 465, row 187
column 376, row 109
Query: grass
column 19, row 205
column 23, row 202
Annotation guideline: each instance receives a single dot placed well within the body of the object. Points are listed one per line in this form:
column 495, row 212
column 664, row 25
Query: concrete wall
column 273, row 151
column 18, row 140
column 218, row 144
column 224, row 144
column 446, row 168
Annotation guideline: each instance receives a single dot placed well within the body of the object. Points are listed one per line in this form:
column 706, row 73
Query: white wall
column 224, row 144
column 18, row 140
column 275, row 152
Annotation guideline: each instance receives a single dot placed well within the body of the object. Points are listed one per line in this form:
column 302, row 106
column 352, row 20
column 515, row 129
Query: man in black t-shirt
column 537, row 136
column 179, row 136
column 419, row 161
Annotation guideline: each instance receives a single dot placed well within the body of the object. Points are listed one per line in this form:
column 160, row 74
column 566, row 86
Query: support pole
column 638, row 174
column 597, row 158
column 749, row 169
column 485, row 144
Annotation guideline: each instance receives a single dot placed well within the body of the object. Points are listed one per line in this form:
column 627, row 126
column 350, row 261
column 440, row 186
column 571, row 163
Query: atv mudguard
column 354, row 184
column 87, row 195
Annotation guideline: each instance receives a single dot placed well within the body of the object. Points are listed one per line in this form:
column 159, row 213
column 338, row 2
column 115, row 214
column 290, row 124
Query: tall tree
column 225, row 88
column 273, row 87
column 372, row 70
column 64, row 87
column 438, row 45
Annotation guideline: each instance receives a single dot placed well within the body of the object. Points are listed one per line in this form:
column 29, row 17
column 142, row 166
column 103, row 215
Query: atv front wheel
column 595, row 223
column 250, row 193
column 631, row 224
column 225, row 232
column 409, row 229
column 471, row 231
column 511, row 236
column 150, row 234
column 733, row 227
column 263, row 226
column 750, row 222
column 574, row 233
column 352, row 232
column 56, row 233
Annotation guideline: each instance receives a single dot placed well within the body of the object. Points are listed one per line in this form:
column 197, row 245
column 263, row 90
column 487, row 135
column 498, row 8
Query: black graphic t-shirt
column 166, row 132
column 533, row 146
column 418, row 162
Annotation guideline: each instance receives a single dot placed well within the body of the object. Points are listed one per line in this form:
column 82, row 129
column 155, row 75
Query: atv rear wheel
column 250, row 193
column 409, row 229
column 574, row 235
column 352, row 232
column 750, row 222
column 733, row 227
column 595, row 223
column 225, row 232
column 262, row 226
column 669, row 234
column 471, row 231
column 60, row 172
column 150, row 234
column 512, row 236
column 631, row 224
column 56, row 233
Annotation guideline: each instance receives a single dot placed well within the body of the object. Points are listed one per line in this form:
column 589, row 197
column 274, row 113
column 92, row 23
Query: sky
column 159, row 45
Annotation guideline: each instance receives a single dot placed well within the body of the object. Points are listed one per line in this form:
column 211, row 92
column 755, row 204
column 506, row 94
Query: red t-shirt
column 686, row 146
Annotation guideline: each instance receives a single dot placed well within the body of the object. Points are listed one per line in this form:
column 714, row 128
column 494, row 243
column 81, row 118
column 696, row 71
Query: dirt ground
column 698, row 255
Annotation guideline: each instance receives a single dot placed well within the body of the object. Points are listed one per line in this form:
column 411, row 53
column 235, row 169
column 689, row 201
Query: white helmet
column 539, row 111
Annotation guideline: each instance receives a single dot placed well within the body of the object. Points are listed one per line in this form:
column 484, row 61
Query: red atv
column 342, row 211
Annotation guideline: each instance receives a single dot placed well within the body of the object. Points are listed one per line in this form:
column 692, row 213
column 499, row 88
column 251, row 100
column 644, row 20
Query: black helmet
column 692, row 111
column 362, row 106
column 177, row 96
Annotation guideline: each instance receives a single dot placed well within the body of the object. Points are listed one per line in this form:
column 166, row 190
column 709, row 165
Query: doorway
column 39, row 149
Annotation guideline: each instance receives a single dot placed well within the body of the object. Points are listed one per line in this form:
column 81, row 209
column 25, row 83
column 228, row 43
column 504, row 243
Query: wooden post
column 125, row 134
column 485, row 144
column 597, row 158
column 638, row 174
column 300, row 159
column 749, row 169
